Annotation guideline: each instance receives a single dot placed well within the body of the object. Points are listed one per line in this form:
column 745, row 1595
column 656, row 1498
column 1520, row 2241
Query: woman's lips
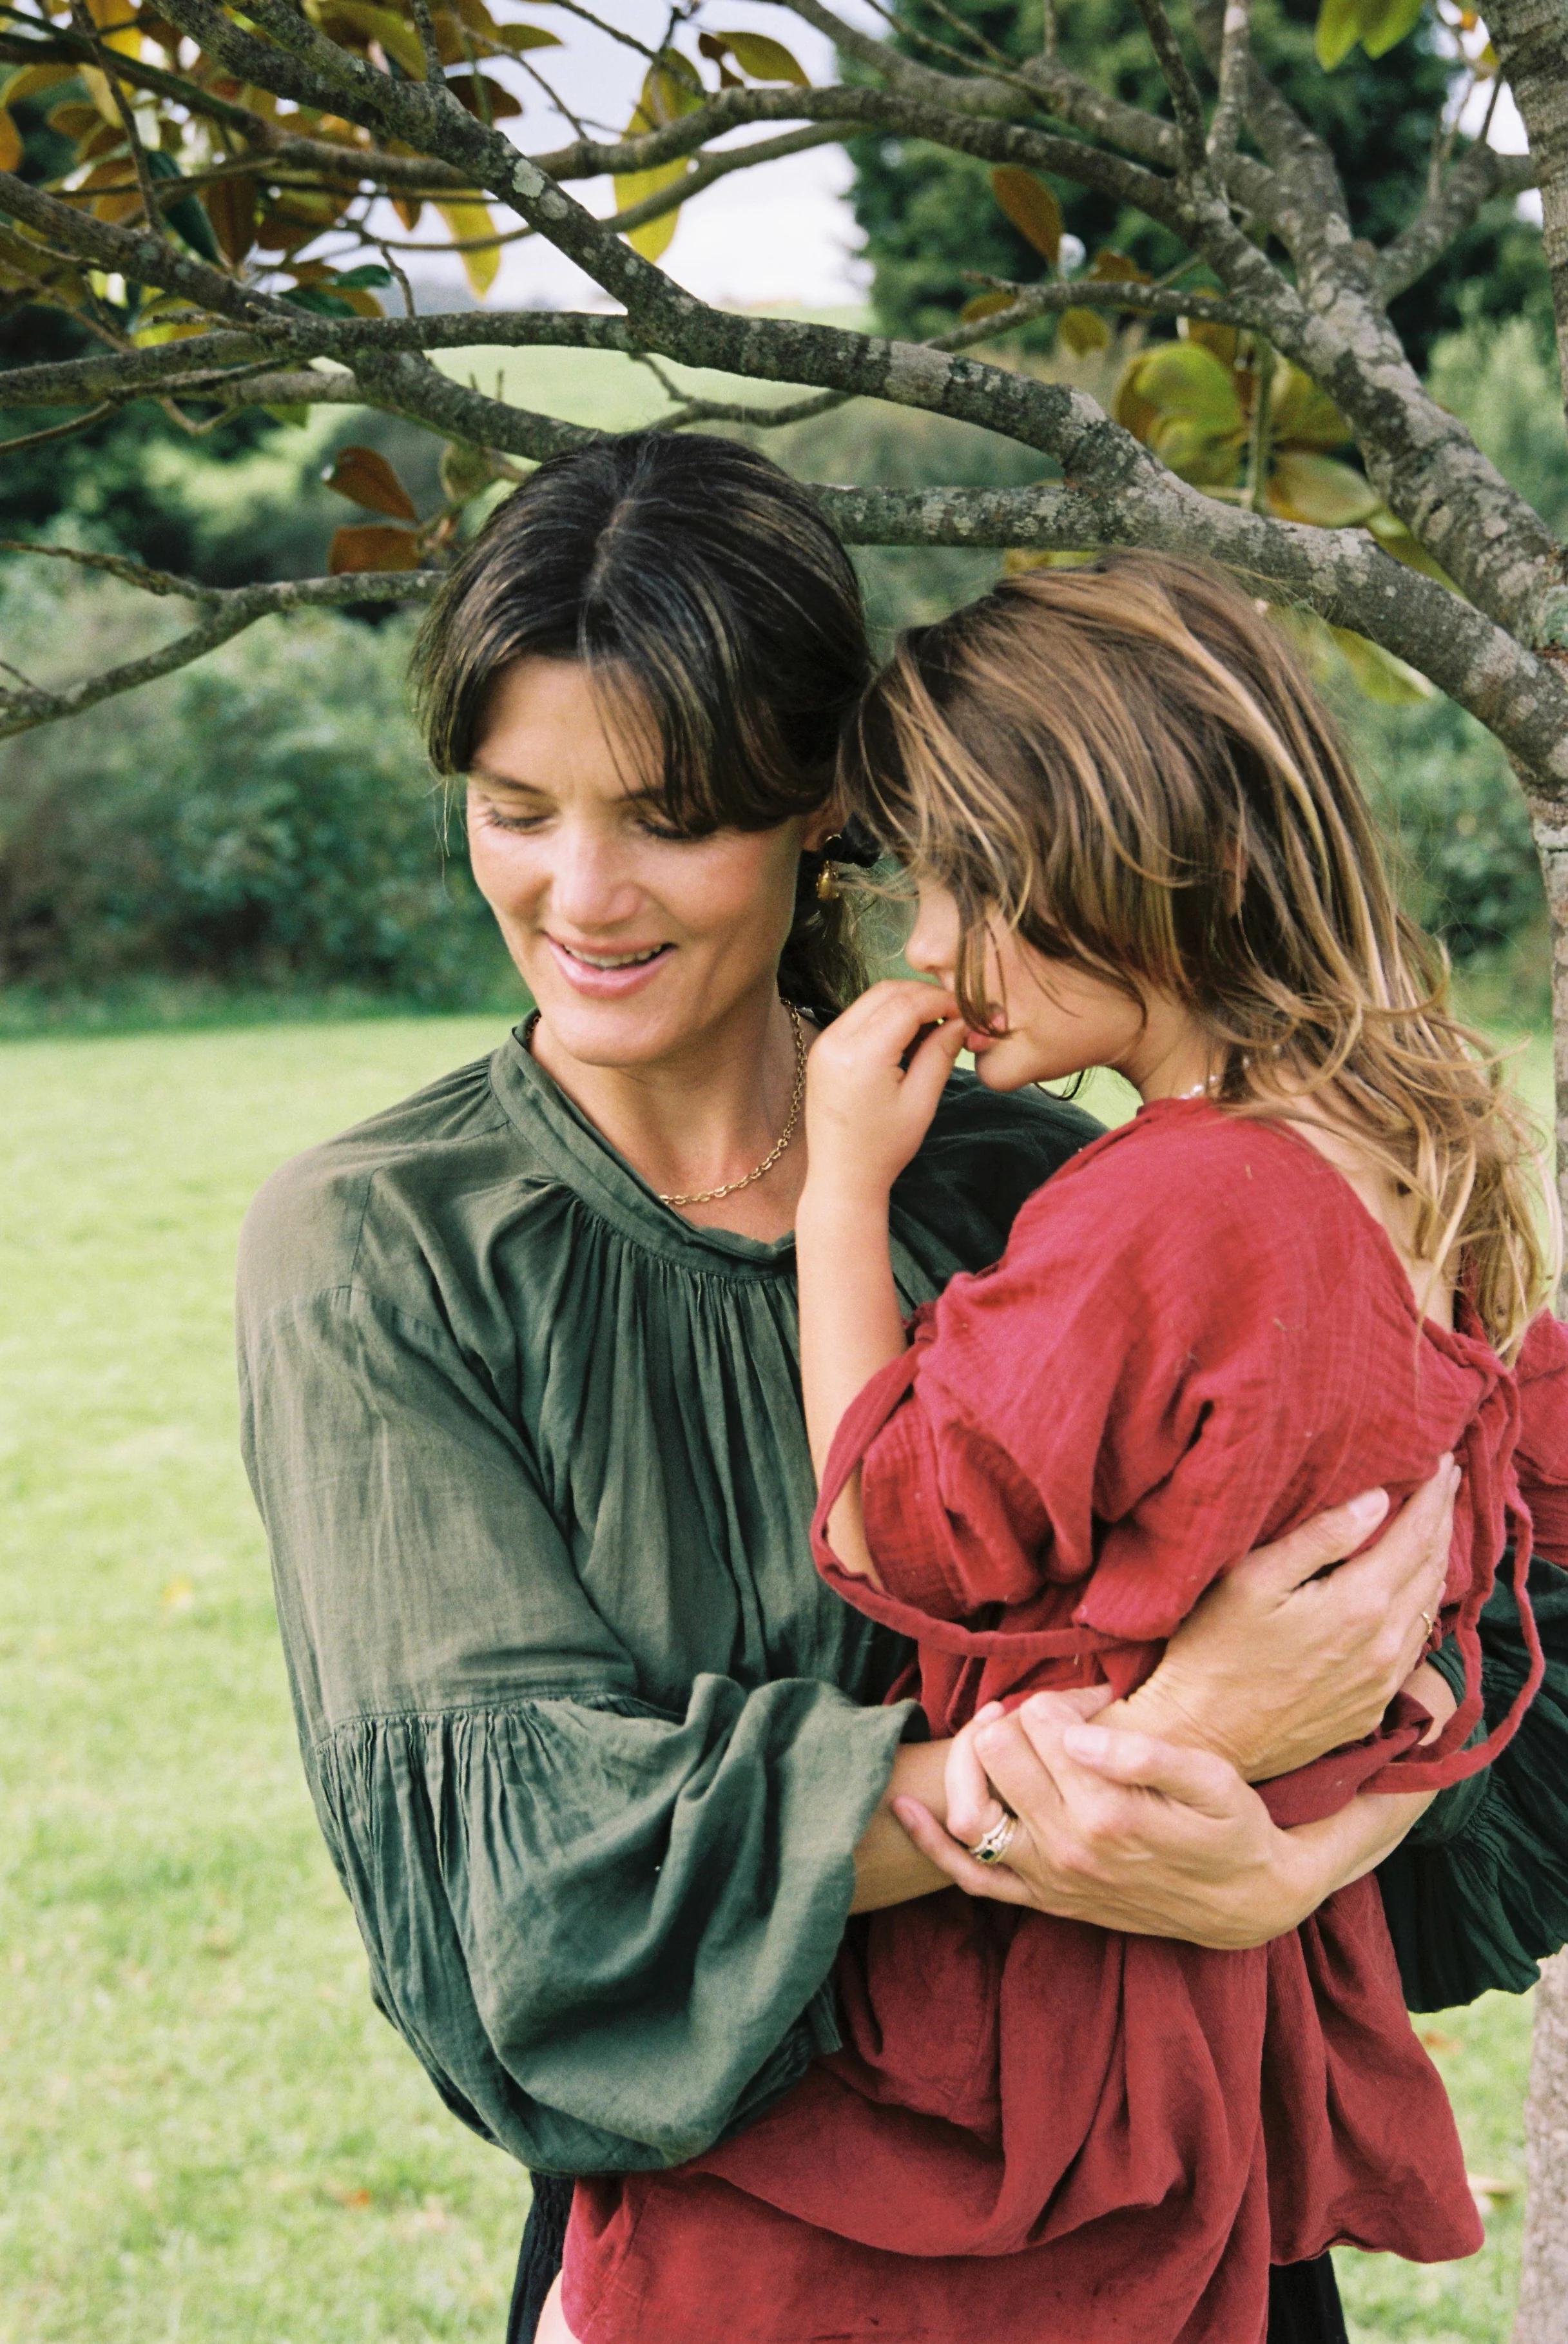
column 606, row 984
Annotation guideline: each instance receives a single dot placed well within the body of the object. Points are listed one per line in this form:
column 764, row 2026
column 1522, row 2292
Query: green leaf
column 1386, row 23
column 188, row 218
column 1319, row 491
column 1396, row 540
column 296, row 417
column 1338, row 31
column 1032, row 207
column 1379, row 674
column 320, row 301
column 1180, row 400
column 370, row 272
column 762, row 58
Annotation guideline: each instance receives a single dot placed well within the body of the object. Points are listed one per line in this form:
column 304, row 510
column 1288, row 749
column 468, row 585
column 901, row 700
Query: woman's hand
column 873, row 1081
column 1278, row 1664
column 1128, row 1833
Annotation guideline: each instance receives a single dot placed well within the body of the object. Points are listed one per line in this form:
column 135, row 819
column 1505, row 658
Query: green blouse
column 589, row 1743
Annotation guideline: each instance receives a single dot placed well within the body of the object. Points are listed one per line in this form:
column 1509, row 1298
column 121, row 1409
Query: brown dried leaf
column 231, row 207
column 10, row 143
column 372, row 548
column 1032, row 207
column 465, row 88
column 367, row 479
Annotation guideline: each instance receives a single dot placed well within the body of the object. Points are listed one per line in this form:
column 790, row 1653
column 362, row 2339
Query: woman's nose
column 589, row 884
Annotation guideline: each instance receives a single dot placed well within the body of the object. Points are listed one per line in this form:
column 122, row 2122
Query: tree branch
column 226, row 612
column 1479, row 174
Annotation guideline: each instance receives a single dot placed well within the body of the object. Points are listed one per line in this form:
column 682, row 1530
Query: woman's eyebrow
column 485, row 779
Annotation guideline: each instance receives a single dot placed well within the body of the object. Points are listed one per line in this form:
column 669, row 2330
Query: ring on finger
column 992, row 1846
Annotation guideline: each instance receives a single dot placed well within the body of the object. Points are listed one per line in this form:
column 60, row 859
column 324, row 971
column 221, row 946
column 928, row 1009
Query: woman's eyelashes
column 496, row 818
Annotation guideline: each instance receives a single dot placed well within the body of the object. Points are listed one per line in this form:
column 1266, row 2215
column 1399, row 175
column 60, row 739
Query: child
column 1312, row 1264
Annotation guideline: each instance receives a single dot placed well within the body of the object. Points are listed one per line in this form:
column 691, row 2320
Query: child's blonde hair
column 1125, row 764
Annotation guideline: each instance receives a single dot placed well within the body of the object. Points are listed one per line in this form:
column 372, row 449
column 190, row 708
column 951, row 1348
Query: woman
column 604, row 1769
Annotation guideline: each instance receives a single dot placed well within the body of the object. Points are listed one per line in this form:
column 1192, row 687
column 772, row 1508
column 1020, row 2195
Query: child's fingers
column 973, row 1806
column 934, row 1060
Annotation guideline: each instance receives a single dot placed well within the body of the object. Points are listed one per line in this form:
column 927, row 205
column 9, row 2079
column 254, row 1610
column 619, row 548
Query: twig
column 627, row 40
column 424, row 24
column 399, row 280
column 1235, row 56
column 58, row 431
column 1185, row 103
column 1262, row 414
column 150, row 205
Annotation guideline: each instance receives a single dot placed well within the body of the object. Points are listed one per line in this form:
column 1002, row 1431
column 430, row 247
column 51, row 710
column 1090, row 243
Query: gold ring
column 994, row 1844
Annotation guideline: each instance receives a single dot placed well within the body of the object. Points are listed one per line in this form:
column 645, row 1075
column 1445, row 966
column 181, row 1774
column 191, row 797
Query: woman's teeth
column 617, row 960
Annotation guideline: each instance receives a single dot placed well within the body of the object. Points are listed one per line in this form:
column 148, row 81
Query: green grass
column 207, row 2135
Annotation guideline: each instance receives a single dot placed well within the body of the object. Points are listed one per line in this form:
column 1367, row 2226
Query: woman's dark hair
column 699, row 576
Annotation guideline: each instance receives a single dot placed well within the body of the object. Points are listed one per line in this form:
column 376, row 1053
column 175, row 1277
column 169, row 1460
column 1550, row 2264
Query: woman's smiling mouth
column 604, row 972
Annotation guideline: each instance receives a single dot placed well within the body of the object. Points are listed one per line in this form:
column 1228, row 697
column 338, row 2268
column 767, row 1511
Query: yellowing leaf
column 397, row 37
column 1302, row 416
column 1338, row 29
column 763, row 59
column 517, row 37
column 984, row 305
column 1320, row 491
column 467, row 222
column 1376, row 672
column 669, row 90
column 1223, row 340
column 34, row 80
column 1110, row 267
column 372, row 548
column 1084, row 331
column 10, row 143
column 1032, row 207
column 1386, row 23
column 1395, row 539
column 1185, row 404
column 367, row 479
column 98, row 90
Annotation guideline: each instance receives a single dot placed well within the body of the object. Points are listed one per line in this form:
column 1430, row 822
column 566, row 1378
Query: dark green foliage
column 928, row 215
column 1442, row 789
column 263, row 819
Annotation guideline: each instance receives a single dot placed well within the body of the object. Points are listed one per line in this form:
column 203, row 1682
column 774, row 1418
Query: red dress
column 1038, row 2132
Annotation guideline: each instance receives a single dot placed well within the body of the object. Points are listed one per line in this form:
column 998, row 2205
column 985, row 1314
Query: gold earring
column 828, row 890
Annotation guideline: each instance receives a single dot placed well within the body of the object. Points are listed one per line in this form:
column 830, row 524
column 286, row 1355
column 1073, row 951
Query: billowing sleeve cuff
column 1477, row 1896
column 606, row 1933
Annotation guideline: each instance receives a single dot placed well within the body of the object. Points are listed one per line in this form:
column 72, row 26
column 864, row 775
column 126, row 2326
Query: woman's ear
column 821, row 826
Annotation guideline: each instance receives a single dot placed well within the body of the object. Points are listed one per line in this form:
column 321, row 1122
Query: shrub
column 265, row 819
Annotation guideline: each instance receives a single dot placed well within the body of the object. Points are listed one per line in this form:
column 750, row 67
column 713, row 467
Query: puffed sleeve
column 605, row 1928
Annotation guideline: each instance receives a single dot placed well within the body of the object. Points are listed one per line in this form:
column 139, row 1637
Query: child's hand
column 866, row 1109
column 973, row 1806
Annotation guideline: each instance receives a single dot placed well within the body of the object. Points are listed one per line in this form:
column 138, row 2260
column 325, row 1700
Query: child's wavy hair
column 1125, row 764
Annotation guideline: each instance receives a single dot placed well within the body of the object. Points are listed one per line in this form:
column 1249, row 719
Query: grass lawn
column 207, row 2135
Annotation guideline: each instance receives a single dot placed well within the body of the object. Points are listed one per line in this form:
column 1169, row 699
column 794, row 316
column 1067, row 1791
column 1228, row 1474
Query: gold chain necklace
column 732, row 1188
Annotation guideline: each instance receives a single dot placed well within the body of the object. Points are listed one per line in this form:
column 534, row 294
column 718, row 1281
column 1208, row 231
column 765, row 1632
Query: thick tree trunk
column 1543, row 2316
column 1543, row 2285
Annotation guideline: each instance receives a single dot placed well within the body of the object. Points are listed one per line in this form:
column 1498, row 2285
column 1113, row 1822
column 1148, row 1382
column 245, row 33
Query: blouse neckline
column 578, row 1153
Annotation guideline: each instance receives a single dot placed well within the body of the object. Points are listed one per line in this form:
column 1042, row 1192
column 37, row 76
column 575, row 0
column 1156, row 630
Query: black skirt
column 1303, row 2299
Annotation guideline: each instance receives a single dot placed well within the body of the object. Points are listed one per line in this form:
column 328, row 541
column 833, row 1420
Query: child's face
column 1052, row 1020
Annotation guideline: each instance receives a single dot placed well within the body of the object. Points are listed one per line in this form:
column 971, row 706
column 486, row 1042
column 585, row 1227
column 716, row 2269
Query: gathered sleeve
column 605, row 1927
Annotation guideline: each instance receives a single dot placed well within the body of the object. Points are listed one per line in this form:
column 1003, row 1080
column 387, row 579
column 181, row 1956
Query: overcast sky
column 782, row 233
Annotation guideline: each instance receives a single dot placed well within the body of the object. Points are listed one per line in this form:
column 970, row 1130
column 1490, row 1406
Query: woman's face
column 634, row 942
column 1057, row 1019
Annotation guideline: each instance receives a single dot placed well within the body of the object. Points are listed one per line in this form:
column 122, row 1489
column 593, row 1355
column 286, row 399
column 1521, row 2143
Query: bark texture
column 1543, row 2316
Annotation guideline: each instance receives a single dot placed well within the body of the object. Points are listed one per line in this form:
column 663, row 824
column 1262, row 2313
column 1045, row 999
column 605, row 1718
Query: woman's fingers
column 996, row 1881
column 1193, row 1778
column 1326, row 1539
